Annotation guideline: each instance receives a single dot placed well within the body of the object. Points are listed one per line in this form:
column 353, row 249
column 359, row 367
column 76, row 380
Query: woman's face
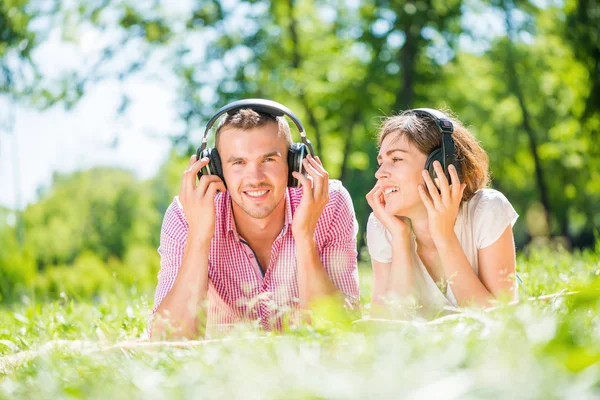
column 399, row 175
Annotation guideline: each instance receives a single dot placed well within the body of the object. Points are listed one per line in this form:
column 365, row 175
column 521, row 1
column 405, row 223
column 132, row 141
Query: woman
column 442, row 243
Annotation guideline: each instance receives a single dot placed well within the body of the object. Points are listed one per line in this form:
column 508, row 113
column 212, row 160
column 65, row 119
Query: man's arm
column 334, row 272
column 183, row 283
column 179, row 312
column 313, row 280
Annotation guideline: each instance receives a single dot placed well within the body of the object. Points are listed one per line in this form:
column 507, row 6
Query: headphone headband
column 446, row 152
column 260, row 105
column 441, row 120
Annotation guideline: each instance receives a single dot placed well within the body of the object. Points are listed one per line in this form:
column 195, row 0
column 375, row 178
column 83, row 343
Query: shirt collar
column 230, row 221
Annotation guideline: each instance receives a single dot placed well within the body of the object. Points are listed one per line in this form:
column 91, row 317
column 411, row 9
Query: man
column 256, row 249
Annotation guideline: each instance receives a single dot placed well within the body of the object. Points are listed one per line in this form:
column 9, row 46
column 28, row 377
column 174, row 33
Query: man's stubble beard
column 258, row 213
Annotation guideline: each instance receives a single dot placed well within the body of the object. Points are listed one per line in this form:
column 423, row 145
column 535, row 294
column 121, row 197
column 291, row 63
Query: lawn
column 94, row 348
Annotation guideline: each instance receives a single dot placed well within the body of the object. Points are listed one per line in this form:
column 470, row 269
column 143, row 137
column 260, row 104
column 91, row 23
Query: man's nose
column 255, row 172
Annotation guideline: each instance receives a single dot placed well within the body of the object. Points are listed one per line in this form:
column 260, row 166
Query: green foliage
column 17, row 268
column 102, row 210
column 86, row 277
column 89, row 276
column 530, row 94
column 91, row 232
column 14, row 29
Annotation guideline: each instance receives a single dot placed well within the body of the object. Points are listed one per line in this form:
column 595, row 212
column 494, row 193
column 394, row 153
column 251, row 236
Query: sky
column 65, row 141
column 40, row 142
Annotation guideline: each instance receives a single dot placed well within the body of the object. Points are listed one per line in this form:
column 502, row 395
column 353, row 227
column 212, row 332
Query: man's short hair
column 247, row 118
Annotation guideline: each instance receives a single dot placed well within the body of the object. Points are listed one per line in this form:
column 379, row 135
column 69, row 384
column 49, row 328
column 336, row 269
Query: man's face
column 399, row 175
column 255, row 168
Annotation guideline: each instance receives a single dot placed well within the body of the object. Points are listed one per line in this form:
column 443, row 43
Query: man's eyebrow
column 271, row 154
column 389, row 152
column 234, row 159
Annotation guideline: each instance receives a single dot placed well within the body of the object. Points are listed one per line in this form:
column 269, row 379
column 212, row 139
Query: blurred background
column 103, row 101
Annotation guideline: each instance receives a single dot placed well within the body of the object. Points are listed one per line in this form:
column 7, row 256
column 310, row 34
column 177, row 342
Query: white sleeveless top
column 479, row 223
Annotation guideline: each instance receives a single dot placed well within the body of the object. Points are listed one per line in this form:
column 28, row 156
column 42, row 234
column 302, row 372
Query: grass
column 537, row 349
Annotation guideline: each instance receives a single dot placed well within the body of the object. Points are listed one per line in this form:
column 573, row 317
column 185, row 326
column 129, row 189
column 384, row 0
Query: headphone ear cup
column 296, row 153
column 435, row 155
column 214, row 164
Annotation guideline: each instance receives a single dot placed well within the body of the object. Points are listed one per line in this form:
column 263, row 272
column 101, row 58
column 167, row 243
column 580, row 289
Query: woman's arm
column 395, row 279
column 396, row 276
column 497, row 266
column 498, row 258
column 496, row 270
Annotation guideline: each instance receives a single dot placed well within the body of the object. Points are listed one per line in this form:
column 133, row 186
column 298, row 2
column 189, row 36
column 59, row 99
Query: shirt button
column 251, row 255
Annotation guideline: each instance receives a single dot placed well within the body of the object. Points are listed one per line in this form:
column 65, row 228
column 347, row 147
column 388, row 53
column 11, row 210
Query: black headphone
column 296, row 152
column 445, row 154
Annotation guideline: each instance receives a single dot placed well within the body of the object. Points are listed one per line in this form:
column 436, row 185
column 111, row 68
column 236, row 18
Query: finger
column 306, row 184
column 316, row 164
column 442, row 180
column 379, row 200
column 433, row 190
column 204, row 182
column 188, row 180
column 455, row 180
column 318, row 178
column 215, row 187
column 462, row 190
column 369, row 196
column 425, row 198
column 189, row 176
column 198, row 165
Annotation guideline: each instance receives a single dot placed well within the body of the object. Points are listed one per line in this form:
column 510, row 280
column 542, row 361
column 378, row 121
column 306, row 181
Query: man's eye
column 269, row 159
column 396, row 159
column 237, row 163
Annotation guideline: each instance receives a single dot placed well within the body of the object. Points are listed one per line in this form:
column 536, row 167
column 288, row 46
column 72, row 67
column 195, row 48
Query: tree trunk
column 348, row 146
column 517, row 91
column 296, row 62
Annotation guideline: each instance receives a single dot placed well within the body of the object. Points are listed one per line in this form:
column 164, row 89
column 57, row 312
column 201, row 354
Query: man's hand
column 198, row 200
column 315, row 196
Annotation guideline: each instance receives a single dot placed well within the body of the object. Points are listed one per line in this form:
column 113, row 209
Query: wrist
column 401, row 241
column 199, row 237
column 445, row 242
column 304, row 238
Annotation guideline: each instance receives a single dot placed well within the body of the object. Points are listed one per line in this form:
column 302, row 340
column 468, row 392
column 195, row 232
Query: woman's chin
column 394, row 209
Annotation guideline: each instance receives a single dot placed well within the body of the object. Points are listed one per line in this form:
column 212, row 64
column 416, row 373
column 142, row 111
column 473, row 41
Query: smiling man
column 255, row 249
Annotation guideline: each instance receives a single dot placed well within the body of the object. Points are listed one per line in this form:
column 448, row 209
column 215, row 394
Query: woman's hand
column 442, row 206
column 397, row 226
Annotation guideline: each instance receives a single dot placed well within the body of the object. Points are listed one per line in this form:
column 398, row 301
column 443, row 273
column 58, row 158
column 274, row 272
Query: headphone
column 445, row 154
column 296, row 152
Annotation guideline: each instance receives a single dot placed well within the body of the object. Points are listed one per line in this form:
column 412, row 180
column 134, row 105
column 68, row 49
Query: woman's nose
column 382, row 172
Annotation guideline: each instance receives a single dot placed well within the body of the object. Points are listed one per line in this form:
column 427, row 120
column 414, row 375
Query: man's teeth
column 390, row 190
column 257, row 193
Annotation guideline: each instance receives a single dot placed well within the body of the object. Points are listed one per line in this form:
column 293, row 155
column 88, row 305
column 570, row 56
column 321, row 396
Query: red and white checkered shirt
column 237, row 289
